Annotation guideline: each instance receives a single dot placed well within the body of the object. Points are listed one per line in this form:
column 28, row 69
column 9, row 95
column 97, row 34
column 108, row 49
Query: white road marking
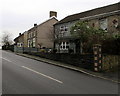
column 6, row 59
column 12, row 62
column 42, row 74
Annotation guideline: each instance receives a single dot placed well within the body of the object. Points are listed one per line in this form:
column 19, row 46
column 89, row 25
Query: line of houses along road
column 54, row 34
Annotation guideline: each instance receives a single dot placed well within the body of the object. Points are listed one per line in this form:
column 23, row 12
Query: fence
column 25, row 49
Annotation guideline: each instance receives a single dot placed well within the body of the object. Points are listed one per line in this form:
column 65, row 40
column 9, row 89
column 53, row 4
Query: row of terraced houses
column 54, row 34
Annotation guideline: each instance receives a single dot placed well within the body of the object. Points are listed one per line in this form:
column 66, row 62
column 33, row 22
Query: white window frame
column 64, row 44
column 63, row 30
column 33, row 42
column 21, row 44
column 34, row 33
column 18, row 44
column 29, row 35
column 28, row 43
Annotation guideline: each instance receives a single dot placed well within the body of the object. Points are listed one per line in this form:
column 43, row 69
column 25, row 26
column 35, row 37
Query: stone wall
column 110, row 62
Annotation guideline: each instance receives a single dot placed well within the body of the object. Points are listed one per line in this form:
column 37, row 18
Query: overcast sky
column 17, row 16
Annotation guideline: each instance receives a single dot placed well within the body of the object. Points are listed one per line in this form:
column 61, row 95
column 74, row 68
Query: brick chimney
column 53, row 13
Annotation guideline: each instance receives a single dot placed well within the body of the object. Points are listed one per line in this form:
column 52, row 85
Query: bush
column 43, row 50
column 54, row 50
column 71, row 51
column 83, row 61
column 111, row 47
column 8, row 47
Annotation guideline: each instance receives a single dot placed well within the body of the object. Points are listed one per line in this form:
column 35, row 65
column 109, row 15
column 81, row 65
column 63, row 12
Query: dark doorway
column 77, row 42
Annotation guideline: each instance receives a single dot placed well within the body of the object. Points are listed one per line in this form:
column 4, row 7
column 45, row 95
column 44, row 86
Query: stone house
column 19, row 41
column 41, row 36
column 106, row 18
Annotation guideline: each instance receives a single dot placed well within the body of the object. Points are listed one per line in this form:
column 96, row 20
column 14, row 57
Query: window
column 29, row 35
column 67, row 45
column 64, row 45
column 63, row 30
column 34, row 33
column 103, row 24
column 28, row 43
column 33, row 42
column 20, row 44
column 115, row 23
column 66, row 28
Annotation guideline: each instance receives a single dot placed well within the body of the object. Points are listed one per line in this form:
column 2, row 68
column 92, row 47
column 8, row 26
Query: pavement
column 113, row 77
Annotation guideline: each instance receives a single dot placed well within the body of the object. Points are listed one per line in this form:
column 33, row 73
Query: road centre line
column 36, row 72
column 42, row 74
column 6, row 59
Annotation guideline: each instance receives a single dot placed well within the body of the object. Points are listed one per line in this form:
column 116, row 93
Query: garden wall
column 83, row 61
column 111, row 62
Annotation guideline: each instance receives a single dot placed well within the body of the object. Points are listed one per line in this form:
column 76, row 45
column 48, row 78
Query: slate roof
column 100, row 10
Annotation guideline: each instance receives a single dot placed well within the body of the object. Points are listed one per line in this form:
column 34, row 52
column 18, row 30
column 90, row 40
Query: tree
column 6, row 39
column 87, row 34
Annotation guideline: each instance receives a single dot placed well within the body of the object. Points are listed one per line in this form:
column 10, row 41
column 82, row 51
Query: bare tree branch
column 6, row 39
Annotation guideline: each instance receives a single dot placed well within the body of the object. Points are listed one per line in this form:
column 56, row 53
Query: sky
column 17, row 16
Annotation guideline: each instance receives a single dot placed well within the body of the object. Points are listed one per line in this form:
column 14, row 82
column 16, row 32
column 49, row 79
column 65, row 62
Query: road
column 21, row 75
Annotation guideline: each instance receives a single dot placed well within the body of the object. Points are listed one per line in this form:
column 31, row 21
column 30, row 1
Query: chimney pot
column 19, row 34
column 35, row 24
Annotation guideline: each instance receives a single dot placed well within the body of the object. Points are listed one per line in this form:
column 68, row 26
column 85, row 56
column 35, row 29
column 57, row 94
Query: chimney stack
column 53, row 13
column 35, row 24
column 19, row 34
